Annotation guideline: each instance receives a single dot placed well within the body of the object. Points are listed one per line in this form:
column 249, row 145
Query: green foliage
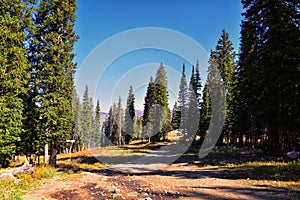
column 149, row 101
column 225, row 60
column 108, row 127
column 49, row 112
column 155, row 116
column 97, row 126
column 160, row 111
column 269, row 72
column 129, row 116
column 183, row 100
column 114, row 125
column 197, row 85
column 13, row 75
column 175, row 117
column 205, row 113
column 77, row 119
column 192, row 109
column 119, row 125
column 87, row 120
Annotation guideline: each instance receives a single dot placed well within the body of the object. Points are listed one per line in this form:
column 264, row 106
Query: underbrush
column 13, row 190
column 285, row 171
column 9, row 190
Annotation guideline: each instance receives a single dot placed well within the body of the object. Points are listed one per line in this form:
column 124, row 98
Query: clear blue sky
column 98, row 20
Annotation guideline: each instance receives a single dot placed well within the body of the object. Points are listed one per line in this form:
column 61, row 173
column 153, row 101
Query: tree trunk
column 273, row 143
column 53, row 156
column 24, row 169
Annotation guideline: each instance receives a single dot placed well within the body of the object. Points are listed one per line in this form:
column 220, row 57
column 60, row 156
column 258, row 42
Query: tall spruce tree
column 97, row 125
column 193, row 115
column 198, row 84
column 175, row 117
column 53, row 68
column 183, row 100
column 129, row 116
column 87, row 120
column 91, row 139
column 149, row 102
column 269, row 71
column 215, row 104
column 160, row 110
column 109, row 127
column 205, row 114
column 119, row 126
column 13, row 75
column 225, row 61
column 197, row 87
column 77, row 120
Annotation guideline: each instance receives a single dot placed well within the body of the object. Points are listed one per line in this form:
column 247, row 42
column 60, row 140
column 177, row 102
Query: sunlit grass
column 277, row 174
column 75, row 165
column 9, row 190
column 115, row 151
column 286, row 170
column 86, row 153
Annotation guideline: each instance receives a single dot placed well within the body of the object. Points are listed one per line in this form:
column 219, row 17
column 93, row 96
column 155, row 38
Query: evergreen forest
column 42, row 114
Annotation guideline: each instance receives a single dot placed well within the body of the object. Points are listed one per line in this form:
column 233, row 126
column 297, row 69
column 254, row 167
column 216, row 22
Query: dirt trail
column 175, row 181
column 151, row 177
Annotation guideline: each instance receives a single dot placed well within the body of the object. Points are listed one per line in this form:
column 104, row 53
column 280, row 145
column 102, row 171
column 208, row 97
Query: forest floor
column 220, row 175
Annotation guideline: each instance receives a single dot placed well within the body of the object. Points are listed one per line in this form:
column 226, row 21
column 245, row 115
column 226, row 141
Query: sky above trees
column 203, row 21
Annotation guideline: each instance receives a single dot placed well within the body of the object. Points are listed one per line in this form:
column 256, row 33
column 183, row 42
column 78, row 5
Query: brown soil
column 176, row 181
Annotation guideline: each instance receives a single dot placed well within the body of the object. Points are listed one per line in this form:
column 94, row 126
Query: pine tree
column 225, row 61
column 183, row 100
column 129, row 116
column 198, row 84
column 138, row 128
column 214, row 105
column 197, row 87
column 205, row 114
column 149, row 102
column 109, row 127
column 91, row 139
column 269, row 73
column 53, row 68
column 87, row 120
column 119, row 123
column 168, row 125
column 192, row 123
column 160, row 103
column 97, row 126
column 77, row 120
column 13, row 75
column 175, row 117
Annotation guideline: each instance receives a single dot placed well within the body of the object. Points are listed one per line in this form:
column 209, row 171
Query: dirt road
column 177, row 181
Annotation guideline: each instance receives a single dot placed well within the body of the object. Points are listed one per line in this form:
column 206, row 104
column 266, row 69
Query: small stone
column 117, row 190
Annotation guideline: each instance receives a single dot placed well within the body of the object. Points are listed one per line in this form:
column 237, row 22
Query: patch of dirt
column 177, row 181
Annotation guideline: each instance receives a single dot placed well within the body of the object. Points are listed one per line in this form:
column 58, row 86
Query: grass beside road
column 11, row 190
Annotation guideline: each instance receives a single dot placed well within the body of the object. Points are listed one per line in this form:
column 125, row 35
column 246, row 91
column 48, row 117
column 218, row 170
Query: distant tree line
column 261, row 85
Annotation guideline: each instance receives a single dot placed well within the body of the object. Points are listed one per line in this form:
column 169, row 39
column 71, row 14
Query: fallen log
column 24, row 169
